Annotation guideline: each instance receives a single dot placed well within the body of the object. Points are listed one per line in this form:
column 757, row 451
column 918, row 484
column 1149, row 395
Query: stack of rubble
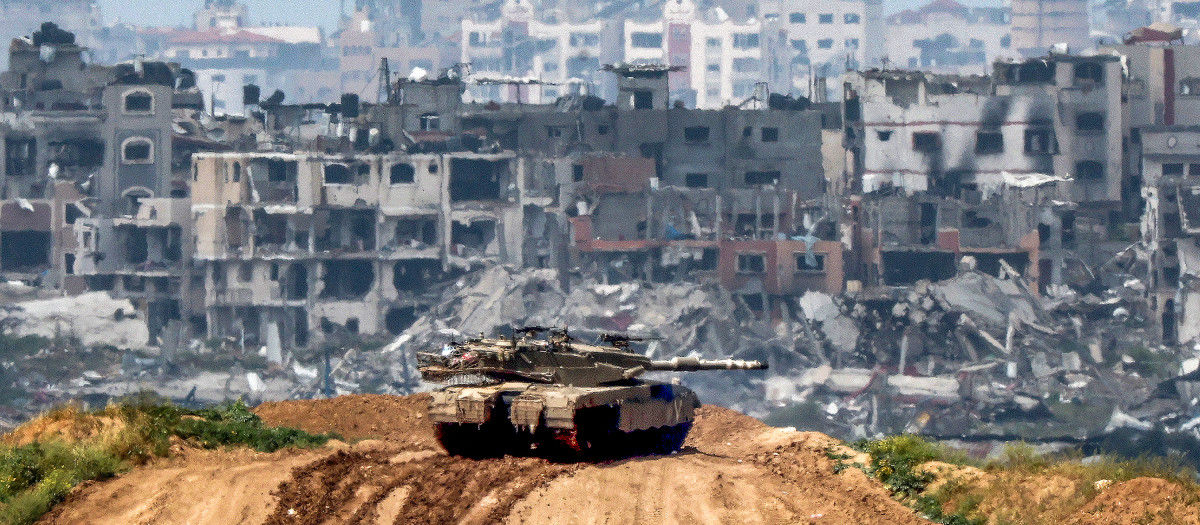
column 679, row 319
column 985, row 356
column 94, row 318
column 974, row 354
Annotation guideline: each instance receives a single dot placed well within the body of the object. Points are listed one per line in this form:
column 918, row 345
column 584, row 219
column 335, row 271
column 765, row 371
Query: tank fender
column 473, row 406
column 443, row 406
column 526, row 412
column 650, row 413
column 559, row 409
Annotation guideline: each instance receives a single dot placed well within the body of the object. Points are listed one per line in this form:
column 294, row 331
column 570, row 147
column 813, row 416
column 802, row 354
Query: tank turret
column 523, row 392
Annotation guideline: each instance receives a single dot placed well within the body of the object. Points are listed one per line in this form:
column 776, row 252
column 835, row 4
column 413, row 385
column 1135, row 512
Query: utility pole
column 385, row 81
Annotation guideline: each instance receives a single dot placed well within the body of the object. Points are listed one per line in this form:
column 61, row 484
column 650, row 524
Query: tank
column 538, row 390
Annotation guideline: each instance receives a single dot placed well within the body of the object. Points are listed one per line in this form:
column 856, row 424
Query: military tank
column 538, row 390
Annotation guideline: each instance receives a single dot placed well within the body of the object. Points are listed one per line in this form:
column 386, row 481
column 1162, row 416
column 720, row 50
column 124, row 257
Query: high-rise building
column 948, row 37
column 813, row 41
column 1039, row 24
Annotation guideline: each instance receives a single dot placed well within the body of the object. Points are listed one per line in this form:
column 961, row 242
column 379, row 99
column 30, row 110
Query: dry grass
column 68, row 423
column 1023, row 487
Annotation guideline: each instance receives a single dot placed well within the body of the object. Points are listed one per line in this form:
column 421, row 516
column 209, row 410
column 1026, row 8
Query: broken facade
column 964, row 228
column 1171, row 230
column 93, row 181
column 291, row 247
column 294, row 246
column 955, row 144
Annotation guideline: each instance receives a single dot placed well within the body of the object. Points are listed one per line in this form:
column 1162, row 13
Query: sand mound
column 398, row 419
column 733, row 469
column 68, row 424
column 1140, row 500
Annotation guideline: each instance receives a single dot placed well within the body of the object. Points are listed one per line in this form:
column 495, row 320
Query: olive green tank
column 553, row 395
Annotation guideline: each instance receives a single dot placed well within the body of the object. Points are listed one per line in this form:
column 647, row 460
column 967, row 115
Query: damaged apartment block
column 762, row 244
column 970, row 149
column 905, row 239
column 90, row 196
column 1170, row 263
column 294, row 247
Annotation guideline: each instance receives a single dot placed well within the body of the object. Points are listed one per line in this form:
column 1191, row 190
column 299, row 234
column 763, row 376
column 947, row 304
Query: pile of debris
column 976, row 354
column 984, row 356
column 680, row 319
column 94, row 318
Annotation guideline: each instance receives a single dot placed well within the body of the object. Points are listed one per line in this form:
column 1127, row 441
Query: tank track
column 594, row 437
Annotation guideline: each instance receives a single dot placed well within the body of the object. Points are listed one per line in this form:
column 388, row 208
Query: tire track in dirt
column 212, row 487
column 349, row 486
column 733, row 469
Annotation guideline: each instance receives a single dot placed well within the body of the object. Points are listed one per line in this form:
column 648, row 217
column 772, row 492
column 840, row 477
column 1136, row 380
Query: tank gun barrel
column 693, row 364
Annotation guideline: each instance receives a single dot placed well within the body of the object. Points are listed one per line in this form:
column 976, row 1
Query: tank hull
column 519, row 417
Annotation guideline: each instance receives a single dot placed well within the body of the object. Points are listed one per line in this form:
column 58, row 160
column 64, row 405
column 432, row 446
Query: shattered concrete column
column 1008, row 335
column 786, row 314
column 312, row 236
column 720, row 215
column 757, row 214
column 775, row 217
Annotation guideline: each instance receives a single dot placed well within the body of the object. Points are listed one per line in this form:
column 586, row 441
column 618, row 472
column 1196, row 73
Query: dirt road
column 733, row 469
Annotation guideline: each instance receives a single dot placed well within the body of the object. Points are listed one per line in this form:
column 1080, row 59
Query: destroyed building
column 290, row 247
column 1171, row 230
column 293, row 246
column 933, row 253
column 908, row 239
column 21, row 19
column 950, row 142
column 94, row 180
column 655, row 193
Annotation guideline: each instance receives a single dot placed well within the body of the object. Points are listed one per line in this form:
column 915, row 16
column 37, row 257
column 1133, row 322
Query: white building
column 227, row 55
column 948, row 37
column 520, row 45
column 723, row 57
column 821, row 39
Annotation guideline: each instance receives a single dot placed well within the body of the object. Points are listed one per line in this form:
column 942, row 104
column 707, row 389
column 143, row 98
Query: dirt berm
column 733, row 469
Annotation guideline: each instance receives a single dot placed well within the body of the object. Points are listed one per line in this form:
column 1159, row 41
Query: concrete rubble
column 678, row 319
column 974, row 355
column 94, row 318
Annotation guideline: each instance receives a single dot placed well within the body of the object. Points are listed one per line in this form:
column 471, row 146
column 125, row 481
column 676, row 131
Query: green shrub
column 896, row 462
column 34, row 477
column 235, row 424
column 1020, row 455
